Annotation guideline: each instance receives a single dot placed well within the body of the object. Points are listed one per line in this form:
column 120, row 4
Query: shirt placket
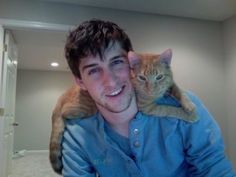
column 136, row 140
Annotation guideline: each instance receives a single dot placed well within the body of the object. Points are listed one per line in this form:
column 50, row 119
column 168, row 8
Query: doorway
column 22, row 35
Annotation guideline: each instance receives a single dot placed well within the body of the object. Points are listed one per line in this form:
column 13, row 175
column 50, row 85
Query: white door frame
column 18, row 24
column 1, row 100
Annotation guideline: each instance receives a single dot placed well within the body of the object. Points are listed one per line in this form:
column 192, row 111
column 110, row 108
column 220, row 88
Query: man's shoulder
column 193, row 97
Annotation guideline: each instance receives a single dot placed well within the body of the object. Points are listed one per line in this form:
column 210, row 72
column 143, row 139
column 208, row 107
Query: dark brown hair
column 92, row 38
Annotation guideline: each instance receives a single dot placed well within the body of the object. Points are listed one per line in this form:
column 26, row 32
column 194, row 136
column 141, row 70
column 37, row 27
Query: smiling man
column 107, row 79
column 120, row 141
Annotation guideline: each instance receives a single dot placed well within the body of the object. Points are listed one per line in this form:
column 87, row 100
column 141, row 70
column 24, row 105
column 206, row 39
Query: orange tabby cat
column 151, row 78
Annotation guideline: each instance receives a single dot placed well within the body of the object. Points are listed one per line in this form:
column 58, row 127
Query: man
column 119, row 141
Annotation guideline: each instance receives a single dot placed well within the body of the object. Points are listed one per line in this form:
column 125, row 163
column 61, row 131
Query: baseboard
column 24, row 152
column 37, row 151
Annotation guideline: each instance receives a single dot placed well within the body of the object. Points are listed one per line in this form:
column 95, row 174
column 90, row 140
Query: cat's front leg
column 162, row 111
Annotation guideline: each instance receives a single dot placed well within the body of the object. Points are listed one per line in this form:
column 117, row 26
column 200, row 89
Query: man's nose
column 109, row 78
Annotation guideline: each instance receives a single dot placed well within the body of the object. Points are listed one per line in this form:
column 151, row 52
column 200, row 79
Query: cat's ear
column 134, row 59
column 80, row 83
column 166, row 57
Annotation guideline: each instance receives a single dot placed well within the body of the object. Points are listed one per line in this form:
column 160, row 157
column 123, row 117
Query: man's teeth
column 115, row 92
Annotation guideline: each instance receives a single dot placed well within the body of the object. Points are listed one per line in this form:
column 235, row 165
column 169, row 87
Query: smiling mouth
column 116, row 92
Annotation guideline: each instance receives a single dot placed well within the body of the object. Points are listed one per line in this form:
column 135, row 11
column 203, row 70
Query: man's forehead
column 90, row 59
column 108, row 53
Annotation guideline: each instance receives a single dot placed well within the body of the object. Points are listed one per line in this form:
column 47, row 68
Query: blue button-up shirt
column 160, row 147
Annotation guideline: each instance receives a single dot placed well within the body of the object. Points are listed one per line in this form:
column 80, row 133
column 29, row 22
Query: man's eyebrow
column 118, row 56
column 88, row 66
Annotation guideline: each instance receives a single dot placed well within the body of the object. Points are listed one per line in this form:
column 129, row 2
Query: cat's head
column 151, row 73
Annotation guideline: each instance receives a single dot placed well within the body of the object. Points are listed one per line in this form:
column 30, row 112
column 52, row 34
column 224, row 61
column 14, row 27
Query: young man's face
column 108, row 80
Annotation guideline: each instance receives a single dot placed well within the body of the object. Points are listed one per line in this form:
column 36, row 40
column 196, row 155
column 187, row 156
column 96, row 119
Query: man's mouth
column 116, row 92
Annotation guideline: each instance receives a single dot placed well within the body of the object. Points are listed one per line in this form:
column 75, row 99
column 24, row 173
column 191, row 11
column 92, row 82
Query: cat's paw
column 189, row 107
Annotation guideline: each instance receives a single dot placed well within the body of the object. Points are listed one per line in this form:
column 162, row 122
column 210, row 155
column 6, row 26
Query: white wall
column 198, row 60
column 37, row 92
column 229, row 38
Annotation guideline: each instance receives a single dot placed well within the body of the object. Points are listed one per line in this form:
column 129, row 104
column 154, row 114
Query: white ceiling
column 38, row 48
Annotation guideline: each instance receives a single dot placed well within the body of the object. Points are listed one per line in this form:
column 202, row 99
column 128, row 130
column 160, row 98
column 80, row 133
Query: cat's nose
column 150, row 89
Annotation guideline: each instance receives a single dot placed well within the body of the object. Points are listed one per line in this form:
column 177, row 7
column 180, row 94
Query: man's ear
column 80, row 83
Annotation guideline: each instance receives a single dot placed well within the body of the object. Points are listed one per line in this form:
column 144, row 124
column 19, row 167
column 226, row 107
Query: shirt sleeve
column 204, row 147
column 74, row 160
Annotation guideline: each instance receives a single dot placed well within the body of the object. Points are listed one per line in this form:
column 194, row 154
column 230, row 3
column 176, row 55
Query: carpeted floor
column 33, row 165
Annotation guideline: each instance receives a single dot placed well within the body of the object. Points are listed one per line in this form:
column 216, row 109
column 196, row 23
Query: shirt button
column 136, row 144
column 136, row 131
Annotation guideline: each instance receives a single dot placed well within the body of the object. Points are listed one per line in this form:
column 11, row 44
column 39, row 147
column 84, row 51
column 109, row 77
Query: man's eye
column 93, row 71
column 117, row 62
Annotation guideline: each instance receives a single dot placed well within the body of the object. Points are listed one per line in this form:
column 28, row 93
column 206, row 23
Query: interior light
column 54, row 64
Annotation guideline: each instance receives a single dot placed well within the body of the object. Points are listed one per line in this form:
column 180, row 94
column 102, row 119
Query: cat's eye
column 142, row 78
column 160, row 76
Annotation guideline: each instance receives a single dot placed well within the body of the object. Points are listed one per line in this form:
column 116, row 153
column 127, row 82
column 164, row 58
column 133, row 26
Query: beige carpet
column 33, row 165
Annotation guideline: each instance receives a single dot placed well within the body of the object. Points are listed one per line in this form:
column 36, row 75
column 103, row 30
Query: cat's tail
column 55, row 154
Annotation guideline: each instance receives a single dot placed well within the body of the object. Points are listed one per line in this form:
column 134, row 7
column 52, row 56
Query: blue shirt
column 158, row 147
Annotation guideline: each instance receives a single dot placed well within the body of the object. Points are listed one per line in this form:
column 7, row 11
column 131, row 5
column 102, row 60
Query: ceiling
column 217, row 10
column 37, row 48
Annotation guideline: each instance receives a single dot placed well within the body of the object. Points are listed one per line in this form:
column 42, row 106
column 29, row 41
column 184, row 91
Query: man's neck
column 120, row 121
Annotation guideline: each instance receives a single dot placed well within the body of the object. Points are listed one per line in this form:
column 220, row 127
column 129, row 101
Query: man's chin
column 115, row 109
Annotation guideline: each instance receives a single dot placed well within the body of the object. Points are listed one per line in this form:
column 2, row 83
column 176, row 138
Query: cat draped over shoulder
column 151, row 76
